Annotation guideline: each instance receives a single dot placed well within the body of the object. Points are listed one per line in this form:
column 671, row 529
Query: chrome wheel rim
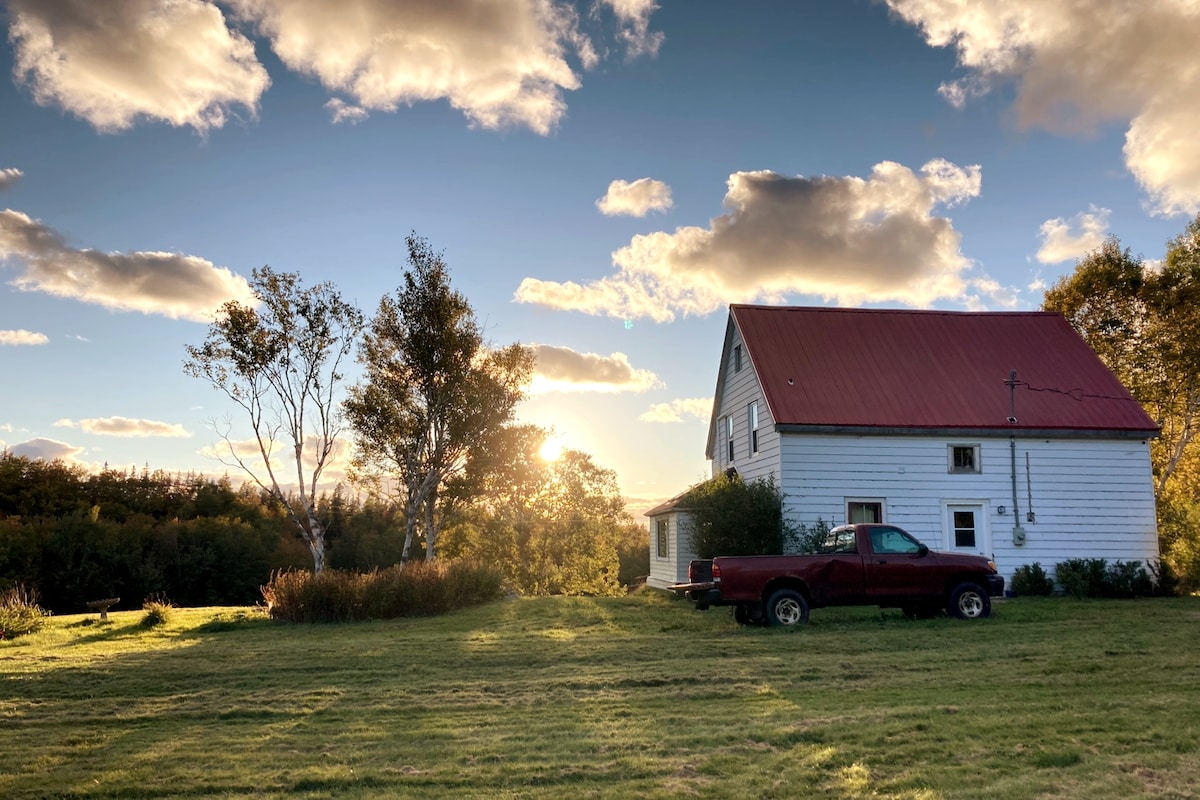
column 788, row 611
column 970, row 604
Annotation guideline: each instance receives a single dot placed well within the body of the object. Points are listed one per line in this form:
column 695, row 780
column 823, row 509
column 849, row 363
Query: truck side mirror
column 922, row 550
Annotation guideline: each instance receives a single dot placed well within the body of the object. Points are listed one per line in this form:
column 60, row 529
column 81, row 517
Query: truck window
column 893, row 540
column 841, row 540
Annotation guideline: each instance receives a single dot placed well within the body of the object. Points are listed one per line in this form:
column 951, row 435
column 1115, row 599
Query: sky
column 603, row 178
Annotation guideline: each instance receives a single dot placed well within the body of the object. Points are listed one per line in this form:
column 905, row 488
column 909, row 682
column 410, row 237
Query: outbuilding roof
column 897, row 369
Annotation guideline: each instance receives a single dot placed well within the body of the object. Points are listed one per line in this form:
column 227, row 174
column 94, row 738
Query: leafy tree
column 554, row 527
column 281, row 363
column 730, row 517
column 1144, row 323
column 433, row 396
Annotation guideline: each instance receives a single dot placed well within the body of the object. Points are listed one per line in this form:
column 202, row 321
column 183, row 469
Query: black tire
column 787, row 607
column 748, row 614
column 969, row 601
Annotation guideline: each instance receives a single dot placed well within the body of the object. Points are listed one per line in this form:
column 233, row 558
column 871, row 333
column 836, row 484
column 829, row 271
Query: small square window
column 864, row 511
column 963, row 458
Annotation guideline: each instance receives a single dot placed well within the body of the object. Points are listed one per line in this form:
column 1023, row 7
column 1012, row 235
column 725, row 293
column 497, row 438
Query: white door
column 966, row 529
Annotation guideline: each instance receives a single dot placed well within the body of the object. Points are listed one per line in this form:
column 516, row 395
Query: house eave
column 961, row 432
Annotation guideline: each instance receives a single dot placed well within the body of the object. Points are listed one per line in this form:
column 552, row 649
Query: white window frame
column 752, row 421
column 729, row 440
column 662, row 532
column 975, row 469
column 867, row 501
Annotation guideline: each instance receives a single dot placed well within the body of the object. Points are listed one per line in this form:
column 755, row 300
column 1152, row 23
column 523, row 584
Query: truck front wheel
column 969, row 601
column 787, row 607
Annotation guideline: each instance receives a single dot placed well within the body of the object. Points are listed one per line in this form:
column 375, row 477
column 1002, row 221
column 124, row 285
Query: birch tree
column 281, row 363
column 433, row 393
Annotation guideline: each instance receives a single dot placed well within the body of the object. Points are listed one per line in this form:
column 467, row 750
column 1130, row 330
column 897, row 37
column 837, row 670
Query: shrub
column 19, row 612
column 1127, row 579
column 804, row 539
column 156, row 611
column 733, row 518
column 418, row 589
column 1095, row 577
column 1082, row 577
column 1032, row 581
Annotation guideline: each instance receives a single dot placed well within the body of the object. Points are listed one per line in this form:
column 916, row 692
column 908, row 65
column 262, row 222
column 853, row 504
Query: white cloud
column 1064, row 241
column 22, row 337
column 699, row 408
column 115, row 62
column 846, row 239
column 561, row 369
column 46, row 450
column 176, row 286
column 9, row 177
column 501, row 62
column 634, row 16
column 635, row 199
column 122, row 426
column 1077, row 64
column 341, row 111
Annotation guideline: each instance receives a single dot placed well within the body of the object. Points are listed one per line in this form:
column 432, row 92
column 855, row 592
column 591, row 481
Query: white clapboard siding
column 739, row 389
column 674, row 567
column 1091, row 497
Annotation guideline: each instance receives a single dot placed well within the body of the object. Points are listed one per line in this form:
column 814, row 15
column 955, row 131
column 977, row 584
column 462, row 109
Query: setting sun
column 551, row 449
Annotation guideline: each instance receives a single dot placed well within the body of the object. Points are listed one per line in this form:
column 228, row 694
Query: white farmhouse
column 1000, row 434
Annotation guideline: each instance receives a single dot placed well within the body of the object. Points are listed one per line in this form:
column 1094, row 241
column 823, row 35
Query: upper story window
column 737, row 358
column 729, row 436
column 963, row 458
column 753, row 416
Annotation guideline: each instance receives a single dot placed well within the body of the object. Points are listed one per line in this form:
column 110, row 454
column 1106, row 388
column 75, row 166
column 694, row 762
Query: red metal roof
column 931, row 369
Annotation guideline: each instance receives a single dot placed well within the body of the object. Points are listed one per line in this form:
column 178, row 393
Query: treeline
column 74, row 537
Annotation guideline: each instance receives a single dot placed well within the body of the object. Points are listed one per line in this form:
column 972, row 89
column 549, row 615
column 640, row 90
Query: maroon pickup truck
column 863, row 564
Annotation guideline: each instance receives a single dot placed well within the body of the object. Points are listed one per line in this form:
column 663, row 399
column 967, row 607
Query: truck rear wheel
column 787, row 607
column 969, row 601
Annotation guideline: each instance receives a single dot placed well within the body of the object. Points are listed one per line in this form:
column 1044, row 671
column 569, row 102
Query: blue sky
column 604, row 178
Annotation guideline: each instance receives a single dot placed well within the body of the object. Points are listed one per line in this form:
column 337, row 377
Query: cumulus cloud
column 115, row 62
column 500, row 63
column 1064, row 241
column 46, row 450
column 22, row 337
column 847, row 239
column 1079, row 64
column 9, row 177
column 122, row 426
column 634, row 17
column 697, row 408
column 635, row 199
column 561, row 369
column 341, row 111
column 176, row 286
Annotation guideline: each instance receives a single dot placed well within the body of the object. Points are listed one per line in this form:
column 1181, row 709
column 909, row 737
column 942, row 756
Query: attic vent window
column 737, row 358
column 964, row 458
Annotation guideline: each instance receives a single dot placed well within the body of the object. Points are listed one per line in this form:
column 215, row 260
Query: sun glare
column 551, row 449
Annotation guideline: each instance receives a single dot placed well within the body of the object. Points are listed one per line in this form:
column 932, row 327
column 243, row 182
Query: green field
column 631, row 697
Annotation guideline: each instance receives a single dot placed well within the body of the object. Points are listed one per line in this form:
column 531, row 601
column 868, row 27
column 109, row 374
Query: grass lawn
column 610, row 698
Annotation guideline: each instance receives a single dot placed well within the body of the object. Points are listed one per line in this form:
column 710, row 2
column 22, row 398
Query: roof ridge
column 922, row 311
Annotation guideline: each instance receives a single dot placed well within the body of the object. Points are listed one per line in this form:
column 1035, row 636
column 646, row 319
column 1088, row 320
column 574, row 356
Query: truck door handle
column 881, row 561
